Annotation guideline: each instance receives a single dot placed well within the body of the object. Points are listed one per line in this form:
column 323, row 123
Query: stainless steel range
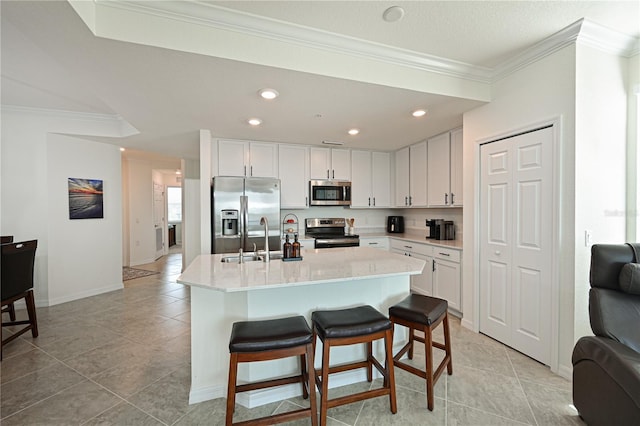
column 329, row 233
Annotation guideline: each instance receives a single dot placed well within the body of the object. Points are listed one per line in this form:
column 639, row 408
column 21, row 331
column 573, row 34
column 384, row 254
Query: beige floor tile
column 123, row 414
column 462, row 415
column 25, row 363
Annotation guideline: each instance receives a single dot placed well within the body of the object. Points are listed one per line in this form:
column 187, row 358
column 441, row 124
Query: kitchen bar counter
column 417, row 238
column 223, row 293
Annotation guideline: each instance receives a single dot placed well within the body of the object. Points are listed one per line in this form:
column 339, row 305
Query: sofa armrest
column 606, row 381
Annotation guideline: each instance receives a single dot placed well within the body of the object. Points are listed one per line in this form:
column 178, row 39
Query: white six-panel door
column 515, row 241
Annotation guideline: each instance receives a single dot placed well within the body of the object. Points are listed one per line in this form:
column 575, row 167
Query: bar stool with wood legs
column 423, row 313
column 363, row 324
column 268, row 340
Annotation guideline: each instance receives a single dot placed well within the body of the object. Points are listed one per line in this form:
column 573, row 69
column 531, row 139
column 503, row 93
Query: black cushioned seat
column 351, row 322
column 423, row 313
column 421, row 309
column 266, row 340
column 342, row 327
column 268, row 335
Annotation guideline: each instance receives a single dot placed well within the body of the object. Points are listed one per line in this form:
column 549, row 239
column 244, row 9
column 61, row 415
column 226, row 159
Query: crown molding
column 222, row 18
column 583, row 32
column 125, row 129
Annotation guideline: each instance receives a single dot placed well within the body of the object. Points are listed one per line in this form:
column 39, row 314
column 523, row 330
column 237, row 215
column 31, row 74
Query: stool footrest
column 277, row 418
column 268, row 383
column 360, row 396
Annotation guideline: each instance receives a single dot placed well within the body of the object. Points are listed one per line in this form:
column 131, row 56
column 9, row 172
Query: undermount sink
column 236, row 259
column 251, row 257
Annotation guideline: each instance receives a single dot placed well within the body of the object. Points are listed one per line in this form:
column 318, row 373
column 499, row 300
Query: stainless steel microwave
column 330, row 193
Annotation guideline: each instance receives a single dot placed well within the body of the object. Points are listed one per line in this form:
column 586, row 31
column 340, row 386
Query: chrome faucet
column 263, row 221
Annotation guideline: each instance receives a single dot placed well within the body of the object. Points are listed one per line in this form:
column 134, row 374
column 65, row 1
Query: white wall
column 600, row 164
column 84, row 257
column 26, row 194
column 542, row 91
column 633, row 150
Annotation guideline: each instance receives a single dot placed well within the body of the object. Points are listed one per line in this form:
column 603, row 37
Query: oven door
column 336, row 242
column 329, row 193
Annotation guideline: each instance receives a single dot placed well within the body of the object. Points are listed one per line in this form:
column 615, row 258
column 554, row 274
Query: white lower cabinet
column 381, row 243
column 441, row 274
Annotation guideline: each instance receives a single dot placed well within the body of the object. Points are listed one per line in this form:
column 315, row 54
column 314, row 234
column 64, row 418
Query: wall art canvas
column 85, row 199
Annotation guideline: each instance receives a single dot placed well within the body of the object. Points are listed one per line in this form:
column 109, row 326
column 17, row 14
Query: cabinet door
column 340, row 164
column 446, row 282
column 293, row 171
column 233, row 157
column 438, row 178
column 264, row 160
column 418, row 175
column 320, row 163
column 380, row 179
column 402, row 177
column 361, row 179
column 423, row 283
column 456, row 167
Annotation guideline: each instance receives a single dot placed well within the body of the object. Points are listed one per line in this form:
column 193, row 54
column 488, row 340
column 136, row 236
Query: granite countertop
column 415, row 237
column 318, row 266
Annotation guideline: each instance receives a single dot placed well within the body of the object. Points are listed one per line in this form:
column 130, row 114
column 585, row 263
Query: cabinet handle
column 452, row 198
column 306, row 201
column 245, row 170
column 444, row 254
column 374, row 201
column 446, row 198
column 410, row 202
column 327, row 173
column 406, row 201
column 408, row 247
column 433, row 265
column 251, row 170
column 372, row 244
column 333, row 174
column 369, row 201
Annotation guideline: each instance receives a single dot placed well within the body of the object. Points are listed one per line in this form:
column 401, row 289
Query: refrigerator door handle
column 243, row 224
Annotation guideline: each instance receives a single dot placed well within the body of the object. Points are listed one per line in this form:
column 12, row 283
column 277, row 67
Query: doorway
column 516, row 238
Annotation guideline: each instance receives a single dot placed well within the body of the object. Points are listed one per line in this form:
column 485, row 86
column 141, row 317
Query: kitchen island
column 223, row 293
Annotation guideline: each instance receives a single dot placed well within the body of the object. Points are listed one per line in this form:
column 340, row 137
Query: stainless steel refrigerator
column 237, row 204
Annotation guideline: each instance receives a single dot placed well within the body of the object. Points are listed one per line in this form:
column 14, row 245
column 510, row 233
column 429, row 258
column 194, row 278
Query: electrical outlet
column 587, row 238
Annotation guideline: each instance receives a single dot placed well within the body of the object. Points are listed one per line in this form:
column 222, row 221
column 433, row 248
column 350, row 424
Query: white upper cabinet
column 438, row 159
column 445, row 169
column 418, row 175
column 241, row 158
column 411, row 176
column 381, row 179
column 456, row 167
column 293, row 171
column 402, row 178
column 370, row 179
column 330, row 163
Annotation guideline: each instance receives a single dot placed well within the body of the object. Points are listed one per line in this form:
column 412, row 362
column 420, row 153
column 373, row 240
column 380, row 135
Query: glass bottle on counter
column 287, row 248
column 295, row 247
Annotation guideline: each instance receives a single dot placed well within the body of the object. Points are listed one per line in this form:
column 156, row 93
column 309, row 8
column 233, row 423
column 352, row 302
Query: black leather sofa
column 606, row 367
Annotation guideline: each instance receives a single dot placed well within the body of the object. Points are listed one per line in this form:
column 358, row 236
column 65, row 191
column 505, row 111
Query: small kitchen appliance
column 329, row 193
column 433, row 229
column 395, row 224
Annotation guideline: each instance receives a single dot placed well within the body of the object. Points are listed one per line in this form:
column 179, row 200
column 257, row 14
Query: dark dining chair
column 17, row 265
column 8, row 239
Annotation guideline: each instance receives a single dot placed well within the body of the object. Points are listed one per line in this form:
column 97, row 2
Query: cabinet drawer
column 412, row 247
column 446, row 254
column 379, row 243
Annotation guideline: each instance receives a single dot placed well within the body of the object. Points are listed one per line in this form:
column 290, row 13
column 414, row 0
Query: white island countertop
column 318, row 266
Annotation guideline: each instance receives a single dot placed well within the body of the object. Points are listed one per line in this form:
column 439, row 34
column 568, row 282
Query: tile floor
column 122, row 358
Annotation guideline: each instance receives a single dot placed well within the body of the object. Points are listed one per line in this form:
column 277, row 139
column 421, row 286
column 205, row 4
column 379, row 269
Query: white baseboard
column 565, row 371
column 467, row 324
column 83, row 294
column 260, row 397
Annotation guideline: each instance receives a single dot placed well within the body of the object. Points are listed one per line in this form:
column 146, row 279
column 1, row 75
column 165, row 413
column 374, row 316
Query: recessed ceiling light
column 178, row 172
column 419, row 113
column 393, row 14
column 121, row 149
column 353, row 132
column 268, row 93
column 254, row 121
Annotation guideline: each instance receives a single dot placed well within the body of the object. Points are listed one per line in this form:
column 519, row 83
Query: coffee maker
column 433, row 228
column 395, row 224
column 440, row 229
